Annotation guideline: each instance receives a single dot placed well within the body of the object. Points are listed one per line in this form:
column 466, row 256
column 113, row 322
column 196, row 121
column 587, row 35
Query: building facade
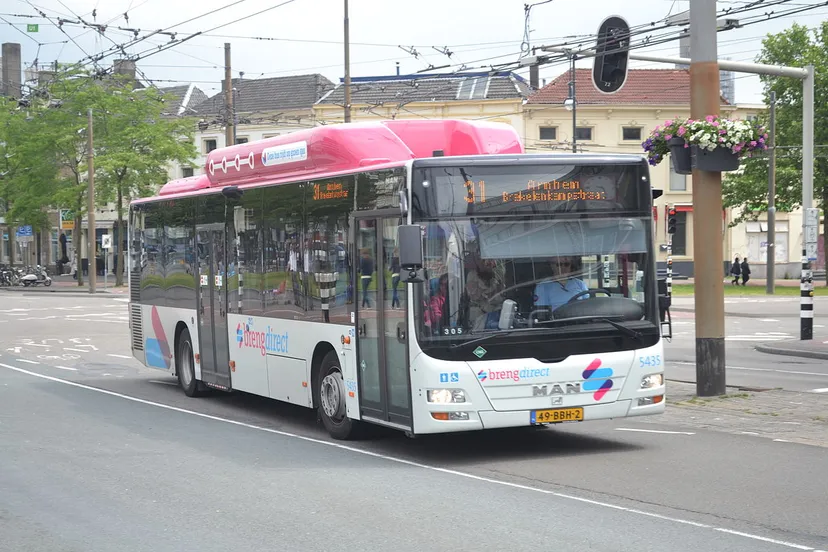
column 619, row 123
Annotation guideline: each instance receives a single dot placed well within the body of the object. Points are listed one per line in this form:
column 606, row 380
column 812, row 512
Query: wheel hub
column 333, row 395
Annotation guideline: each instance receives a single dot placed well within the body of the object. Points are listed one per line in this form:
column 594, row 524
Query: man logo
column 556, row 389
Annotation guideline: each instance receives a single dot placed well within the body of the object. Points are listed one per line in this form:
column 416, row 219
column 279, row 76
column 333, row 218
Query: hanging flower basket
column 713, row 144
column 680, row 155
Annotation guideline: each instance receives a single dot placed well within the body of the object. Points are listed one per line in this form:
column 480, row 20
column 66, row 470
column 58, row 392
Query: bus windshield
column 551, row 261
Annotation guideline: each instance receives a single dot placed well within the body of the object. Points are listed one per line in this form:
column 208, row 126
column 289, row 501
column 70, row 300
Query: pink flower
column 765, row 136
column 668, row 136
column 709, row 118
column 753, row 143
column 686, row 145
column 737, row 148
column 715, row 123
column 681, row 130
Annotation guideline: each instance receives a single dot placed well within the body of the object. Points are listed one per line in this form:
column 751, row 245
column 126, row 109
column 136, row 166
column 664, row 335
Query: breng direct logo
column 512, row 375
column 597, row 379
column 266, row 341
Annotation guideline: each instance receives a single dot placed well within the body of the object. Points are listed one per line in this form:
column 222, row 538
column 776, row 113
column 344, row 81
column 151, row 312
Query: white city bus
column 428, row 276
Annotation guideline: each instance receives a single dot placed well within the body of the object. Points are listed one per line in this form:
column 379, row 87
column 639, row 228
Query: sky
column 305, row 36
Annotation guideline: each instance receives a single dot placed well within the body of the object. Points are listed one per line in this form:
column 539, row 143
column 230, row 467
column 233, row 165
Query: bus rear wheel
column 185, row 365
column 331, row 399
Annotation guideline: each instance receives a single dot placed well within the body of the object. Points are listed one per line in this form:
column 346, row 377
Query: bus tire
column 185, row 365
column 331, row 399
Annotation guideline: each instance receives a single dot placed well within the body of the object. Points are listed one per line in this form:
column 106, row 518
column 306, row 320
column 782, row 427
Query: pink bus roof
column 329, row 150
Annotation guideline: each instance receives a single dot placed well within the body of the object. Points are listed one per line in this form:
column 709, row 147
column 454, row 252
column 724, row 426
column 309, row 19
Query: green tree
column 798, row 46
column 138, row 144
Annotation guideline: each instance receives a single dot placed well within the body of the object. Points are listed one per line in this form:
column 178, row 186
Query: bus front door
column 212, row 311
column 381, row 307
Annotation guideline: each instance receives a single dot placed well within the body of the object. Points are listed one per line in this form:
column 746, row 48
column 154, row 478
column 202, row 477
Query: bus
column 427, row 275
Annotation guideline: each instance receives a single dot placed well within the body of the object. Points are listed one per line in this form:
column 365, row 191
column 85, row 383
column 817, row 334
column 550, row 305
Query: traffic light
column 612, row 53
column 671, row 220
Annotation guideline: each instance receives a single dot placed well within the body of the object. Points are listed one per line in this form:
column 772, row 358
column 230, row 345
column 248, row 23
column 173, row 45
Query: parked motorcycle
column 36, row 277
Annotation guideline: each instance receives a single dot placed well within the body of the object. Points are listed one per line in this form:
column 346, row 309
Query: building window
column 678, row 182
column 548, row 133
column 242, row 140
column 583, row 133
column 210, row 145
column 187, row 172
column 680, row 237
column 631, row 133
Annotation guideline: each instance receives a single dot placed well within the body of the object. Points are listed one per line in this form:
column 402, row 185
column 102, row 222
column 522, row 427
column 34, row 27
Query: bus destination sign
column 536, row 192
column 331, row 190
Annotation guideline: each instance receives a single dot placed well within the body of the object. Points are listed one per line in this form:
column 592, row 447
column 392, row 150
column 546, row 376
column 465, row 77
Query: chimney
column 534, row 76
column 12, row 72
column 44, row 77
column 124, row 67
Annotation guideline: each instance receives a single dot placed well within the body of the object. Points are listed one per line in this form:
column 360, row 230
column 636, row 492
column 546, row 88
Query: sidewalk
column 774, row 414
column 66, row 284
column 814, row 348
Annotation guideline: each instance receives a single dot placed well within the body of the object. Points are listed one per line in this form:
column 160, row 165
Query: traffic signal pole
column 671, row 229
column 708, row 254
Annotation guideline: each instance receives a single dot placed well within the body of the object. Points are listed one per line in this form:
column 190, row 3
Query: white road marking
column 403, row 461
column 27, row 361
column 781, row 441
column 75, row 350
column 820, row 390
column 758, row 369
column 66, row 368
column 118, row 356
column 768, row 320
column 654, row 431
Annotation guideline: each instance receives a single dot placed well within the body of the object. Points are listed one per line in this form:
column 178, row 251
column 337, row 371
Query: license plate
column 557, row 415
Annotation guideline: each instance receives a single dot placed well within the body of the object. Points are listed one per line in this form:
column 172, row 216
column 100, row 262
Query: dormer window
column 473, row 88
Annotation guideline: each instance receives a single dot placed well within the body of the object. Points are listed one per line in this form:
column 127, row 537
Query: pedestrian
column 735, row 271
column 745, row 271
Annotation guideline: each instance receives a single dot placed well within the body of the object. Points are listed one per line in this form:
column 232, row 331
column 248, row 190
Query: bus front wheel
column 331, row 399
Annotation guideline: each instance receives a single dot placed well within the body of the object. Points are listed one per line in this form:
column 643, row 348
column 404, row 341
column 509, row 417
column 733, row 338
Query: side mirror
column 410, row 240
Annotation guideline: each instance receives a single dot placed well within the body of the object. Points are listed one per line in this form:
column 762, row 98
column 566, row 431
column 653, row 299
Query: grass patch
column 750, row 290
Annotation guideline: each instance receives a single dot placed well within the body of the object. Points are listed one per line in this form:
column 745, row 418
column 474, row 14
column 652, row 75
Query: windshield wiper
column 635, row 334
column 494, row 334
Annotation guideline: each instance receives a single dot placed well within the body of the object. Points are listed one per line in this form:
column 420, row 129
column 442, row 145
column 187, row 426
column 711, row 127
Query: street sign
column 32, row 27
column 106, row 241
column 67, row 219
column 811, row 234
column 812, row 216
column 811, row 251
column 24, row 231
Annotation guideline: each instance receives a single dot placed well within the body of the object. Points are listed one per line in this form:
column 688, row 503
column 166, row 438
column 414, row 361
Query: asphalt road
column 100, row 453
column 758, row 321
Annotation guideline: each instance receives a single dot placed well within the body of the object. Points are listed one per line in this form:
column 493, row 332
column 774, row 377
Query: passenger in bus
column 484, row 287
column 562, row 286
column 435, row 308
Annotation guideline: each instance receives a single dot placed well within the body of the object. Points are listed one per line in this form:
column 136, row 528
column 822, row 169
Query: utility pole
column 770, row 278
column 90, row 216
column 810, row 231
column 230, row 124
column 574, row 107
column 347, row 67
column 707, row 209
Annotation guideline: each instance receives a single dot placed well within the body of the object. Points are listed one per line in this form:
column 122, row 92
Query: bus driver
column 562, row 285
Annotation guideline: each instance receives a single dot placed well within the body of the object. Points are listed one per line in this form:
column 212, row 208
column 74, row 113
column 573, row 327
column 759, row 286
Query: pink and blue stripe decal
column 597, row 379
column 157, row 349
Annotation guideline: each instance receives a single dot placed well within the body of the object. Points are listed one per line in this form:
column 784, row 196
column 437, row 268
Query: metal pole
column 770, row 278
column 229, row 126
column 806, row 284
column 90, row 216
column 574, row 108
column 347, row 67
column 707, row 208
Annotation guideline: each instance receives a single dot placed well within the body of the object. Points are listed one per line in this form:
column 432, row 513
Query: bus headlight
column 445, row 396
column 653, row 380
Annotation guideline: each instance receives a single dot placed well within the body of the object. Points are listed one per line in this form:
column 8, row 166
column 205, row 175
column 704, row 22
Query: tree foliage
column 797, row 46
column 44, row 139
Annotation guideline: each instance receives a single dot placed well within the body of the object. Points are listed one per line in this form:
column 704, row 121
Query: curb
column 740, row 314
column 43, row 291
column 776, row 350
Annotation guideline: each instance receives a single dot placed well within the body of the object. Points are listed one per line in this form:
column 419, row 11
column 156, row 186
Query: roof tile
column 274, row 94
column 643, row 87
